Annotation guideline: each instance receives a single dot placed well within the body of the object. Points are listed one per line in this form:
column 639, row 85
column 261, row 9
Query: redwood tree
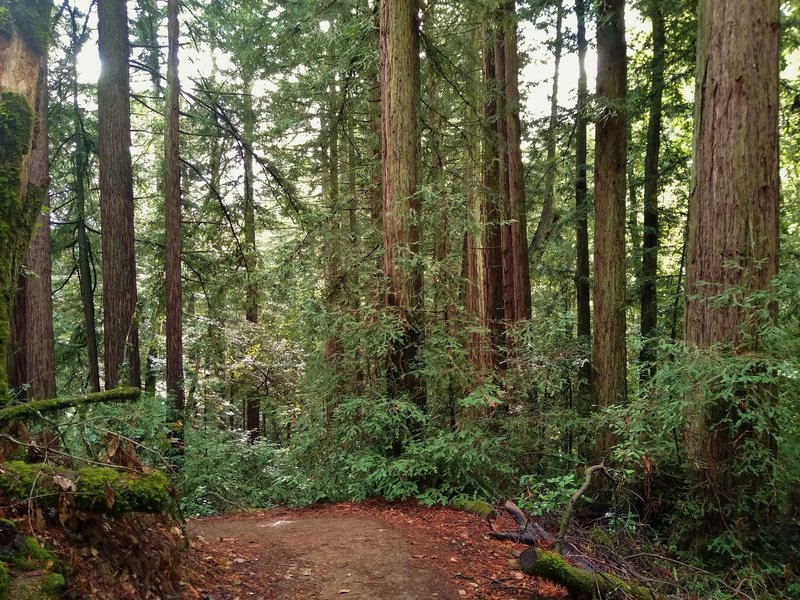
column 609, row 355
column 23, row 46
column 172, row 213
column 648, row 294
column 35, row 294
column 120, row 329
column 399, row 49
column 733, row 217
column 582, row 281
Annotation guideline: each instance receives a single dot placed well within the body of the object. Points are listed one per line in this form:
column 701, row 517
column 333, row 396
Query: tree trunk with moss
column 33, row 340
column 733, row 241
column 24, row 33
column 121, row 331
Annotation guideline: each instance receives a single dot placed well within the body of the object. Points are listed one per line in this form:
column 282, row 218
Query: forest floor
column 371, row 550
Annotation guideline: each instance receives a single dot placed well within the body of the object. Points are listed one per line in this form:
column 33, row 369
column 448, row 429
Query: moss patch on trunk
column 30, row 19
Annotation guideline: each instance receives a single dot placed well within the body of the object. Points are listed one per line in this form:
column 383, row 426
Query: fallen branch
column 565, row 518
column 36, row 407
column 528, row 533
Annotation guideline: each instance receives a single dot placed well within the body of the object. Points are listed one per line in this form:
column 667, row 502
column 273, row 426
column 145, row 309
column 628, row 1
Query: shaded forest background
column 344, row 257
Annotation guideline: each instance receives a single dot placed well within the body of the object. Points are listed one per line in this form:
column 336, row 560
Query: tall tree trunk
column 648, row 293
column 172, row 214
column 251, row 309
column 399, row 48
column 733, row 223
column 547, row 220
column 80, row 169
column 491, row 215
column 39, row 342
column 120, row 328
column 582, row 275
column 33, row 373
column 518, row 229
column 334, row 270
column 23, row 47
column 253, row 405
column 609, row 354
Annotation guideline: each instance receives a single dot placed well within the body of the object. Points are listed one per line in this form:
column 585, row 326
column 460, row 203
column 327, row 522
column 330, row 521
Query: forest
column 520, row 265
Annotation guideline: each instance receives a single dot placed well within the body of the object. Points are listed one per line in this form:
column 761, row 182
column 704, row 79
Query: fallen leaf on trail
column 64, row 483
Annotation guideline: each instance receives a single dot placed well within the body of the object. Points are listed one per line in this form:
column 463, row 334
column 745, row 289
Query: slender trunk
column 648, row 298
column 548, row 218
column 582, row 274
column 80, row 169
column 249, row 205
column 172, row 217
column 491, row 216
column 120, row 327
column 519, row 262
column 609, row 355
column 399, row 48
column 253, row 405
column 334, row 270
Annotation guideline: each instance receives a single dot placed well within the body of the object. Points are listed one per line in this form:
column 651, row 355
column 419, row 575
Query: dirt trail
column 367, row 551
column 326, row 557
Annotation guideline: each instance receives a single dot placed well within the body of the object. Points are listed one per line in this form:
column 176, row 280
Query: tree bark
column 39, row 341
column 547, row 220
column 609, row 354
column 518, row 229
column 733, row 220
column 494, row 306
column 648, row 293
column 582, row 274
column 399, row 48
column 23, row 47
column 172, row 217
column 252, row 418
column 120, row 329
column 251, row 260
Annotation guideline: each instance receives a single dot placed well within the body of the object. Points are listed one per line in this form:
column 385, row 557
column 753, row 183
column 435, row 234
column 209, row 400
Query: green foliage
column 548, row 496
column 222, row 470
column 4, row 581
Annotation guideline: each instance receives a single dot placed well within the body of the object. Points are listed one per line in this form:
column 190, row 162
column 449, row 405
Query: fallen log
column 582, row 584
column 36, row 407
column 583, row 580
column 91, row 489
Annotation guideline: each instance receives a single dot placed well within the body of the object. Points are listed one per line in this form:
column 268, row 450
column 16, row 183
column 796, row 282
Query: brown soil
column 372, row 550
